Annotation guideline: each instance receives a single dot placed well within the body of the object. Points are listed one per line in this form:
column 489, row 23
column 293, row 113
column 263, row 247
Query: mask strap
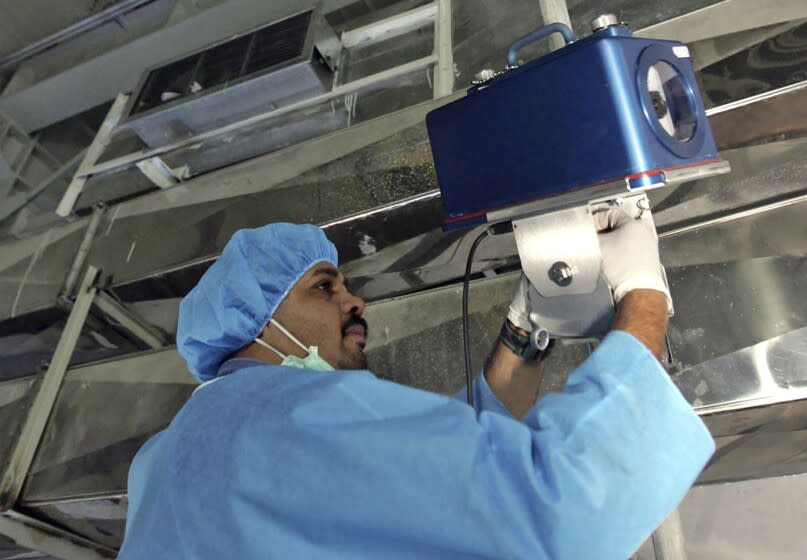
column 282, row 329
column 270, row 347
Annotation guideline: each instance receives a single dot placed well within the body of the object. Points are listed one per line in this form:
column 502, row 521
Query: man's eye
column 325, row 286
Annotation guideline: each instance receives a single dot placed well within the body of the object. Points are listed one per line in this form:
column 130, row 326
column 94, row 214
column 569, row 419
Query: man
column 291, row 450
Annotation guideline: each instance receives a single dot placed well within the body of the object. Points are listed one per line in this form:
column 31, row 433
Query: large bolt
column 561, row 274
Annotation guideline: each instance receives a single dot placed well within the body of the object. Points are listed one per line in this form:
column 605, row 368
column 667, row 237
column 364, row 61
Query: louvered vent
column 276, row 64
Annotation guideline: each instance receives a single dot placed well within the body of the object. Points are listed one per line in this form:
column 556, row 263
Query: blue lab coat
column 273, row 462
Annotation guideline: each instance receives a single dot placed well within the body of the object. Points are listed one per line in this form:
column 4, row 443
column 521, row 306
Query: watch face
column 672, row 105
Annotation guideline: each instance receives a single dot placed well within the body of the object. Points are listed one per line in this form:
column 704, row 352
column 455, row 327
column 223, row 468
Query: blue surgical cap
column 237, row 296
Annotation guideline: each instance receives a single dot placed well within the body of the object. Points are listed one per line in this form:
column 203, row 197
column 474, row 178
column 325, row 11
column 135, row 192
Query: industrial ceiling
column 104, row 228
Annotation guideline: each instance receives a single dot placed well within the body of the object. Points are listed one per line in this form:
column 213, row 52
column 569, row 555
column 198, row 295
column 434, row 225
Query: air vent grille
column 280, row 42
column 226, row 62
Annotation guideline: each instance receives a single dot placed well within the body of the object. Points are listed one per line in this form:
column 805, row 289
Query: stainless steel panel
column 330, row 178
column 770, row 64
column 368, row 166
column 104, row 413
column 100, row 519
column 413, row 340
column 34, row 268
column 16, row 397
column 769, row 372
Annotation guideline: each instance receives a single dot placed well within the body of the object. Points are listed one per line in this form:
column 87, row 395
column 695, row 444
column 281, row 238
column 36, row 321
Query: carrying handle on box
column 537, row 35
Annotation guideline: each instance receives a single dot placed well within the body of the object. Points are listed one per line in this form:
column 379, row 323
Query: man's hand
column 630, row 257
column 631, row 265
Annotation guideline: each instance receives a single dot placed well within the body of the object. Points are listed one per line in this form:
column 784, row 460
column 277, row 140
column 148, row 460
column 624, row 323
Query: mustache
column 355, row 320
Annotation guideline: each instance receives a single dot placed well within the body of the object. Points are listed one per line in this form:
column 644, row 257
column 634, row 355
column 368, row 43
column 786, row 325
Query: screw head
column 604, row 21
column 561, row 274
column 484, row 75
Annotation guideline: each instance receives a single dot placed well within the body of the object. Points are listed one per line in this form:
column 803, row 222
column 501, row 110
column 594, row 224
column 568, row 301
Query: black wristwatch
column 520, row 343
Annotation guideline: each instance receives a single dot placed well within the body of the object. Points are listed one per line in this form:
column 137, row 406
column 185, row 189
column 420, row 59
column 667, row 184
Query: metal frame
column 23, row 530
column 15, row 202
column 13, row 171
column 149, row 335
column 82, row 252
column 441, row 60
column 668, row 539
column 390, row 27
column 34, row 427
column 555, row 11
column 42, row 537
column 26, row 531
column 723, row 18
column 159, row 172
column 92, row 155
column 72, row 31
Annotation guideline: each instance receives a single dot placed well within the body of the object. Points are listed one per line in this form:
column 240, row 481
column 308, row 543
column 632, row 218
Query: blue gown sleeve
column 484, row 397
column 355, row 467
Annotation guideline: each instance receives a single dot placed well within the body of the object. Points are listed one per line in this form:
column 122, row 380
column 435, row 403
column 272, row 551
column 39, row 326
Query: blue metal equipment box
column 602, row 116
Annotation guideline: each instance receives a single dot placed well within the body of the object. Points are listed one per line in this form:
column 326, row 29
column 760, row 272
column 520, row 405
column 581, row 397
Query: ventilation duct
column 266, row 68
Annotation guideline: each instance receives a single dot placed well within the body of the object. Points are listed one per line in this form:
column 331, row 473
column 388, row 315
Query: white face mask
column 312, row 361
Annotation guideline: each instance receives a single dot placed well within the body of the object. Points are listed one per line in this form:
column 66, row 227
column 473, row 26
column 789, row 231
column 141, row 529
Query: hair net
column 237, row 296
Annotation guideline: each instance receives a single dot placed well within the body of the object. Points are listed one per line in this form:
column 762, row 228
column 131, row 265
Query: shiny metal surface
column 16, row 397
column 102, row 520
column 560, row 255
column 413, row 341
column 567, row 236
column 54, row 541
column 780, row 364
column 724, row 18
column 604, row 21
column 19, row 461
column 771, row 64
column 136, row 397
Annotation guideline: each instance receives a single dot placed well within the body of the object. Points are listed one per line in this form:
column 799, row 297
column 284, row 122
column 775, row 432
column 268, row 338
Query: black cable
column 465, row 337
column 495, row 229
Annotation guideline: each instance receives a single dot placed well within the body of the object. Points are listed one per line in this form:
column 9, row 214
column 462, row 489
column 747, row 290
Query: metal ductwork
column 282, row 62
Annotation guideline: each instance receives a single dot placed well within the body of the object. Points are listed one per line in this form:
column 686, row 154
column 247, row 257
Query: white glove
column 519, row 312
column 630, row 257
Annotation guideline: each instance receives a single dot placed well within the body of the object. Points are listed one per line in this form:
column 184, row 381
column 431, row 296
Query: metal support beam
column 159, row 173
column 443, row 50
column 130, row 160
column 709, row 51
column 28, row 440
column 668, row 539
column 390, row 27
column 83, row 250
column 723, row 18
column 47, row 539
column 94, row 152
column 17, row 201
column 95, row 20
column 555, row 11
column 150, row 335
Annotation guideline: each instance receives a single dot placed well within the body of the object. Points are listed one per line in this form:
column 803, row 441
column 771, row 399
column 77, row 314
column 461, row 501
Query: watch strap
column 520, row 343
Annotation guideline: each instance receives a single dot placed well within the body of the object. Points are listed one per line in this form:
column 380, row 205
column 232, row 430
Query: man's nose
column 353, row 305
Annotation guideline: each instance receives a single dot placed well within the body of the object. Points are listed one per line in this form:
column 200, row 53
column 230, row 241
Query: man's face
column 321, row 312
